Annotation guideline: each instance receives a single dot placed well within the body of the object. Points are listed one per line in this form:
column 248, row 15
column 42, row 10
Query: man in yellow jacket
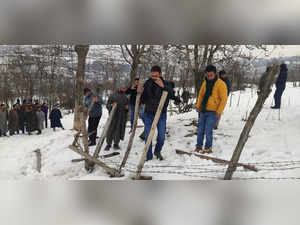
column 211, row 102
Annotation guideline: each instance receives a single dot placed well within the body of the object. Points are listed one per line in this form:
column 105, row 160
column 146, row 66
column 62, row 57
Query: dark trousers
column 46, row 121
column 92, row 127
column 277, row 96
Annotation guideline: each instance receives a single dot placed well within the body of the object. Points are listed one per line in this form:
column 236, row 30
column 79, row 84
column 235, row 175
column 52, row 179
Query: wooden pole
column 38, row 160
column 216, row 160
column 154, row 125
column 111, row 171
column 136, row 113
column 250, row 122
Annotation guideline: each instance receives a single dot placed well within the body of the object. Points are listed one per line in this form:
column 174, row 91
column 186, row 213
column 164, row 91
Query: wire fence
column 216, row 171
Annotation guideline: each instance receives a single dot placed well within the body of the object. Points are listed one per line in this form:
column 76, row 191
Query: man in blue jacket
column 151, row 95
column 94, row 115
column 280, row 85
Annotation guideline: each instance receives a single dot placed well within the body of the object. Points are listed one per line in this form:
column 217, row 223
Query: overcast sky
column 285, row 50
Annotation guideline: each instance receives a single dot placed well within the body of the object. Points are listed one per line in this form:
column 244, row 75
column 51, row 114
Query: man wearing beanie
column 94, row 115
column 211, row 102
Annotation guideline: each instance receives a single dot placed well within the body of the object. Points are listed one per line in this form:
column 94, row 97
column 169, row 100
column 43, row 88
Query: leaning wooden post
column 38, row 160
column 136, row 113
column 103, row 136
column 250, row 122
column 149, row 139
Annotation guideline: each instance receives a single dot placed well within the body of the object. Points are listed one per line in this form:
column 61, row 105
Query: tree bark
column 250, row 122
column 82, row 51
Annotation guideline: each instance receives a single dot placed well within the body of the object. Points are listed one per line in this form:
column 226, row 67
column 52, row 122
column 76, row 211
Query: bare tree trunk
column 250, row 122
column 82, row 51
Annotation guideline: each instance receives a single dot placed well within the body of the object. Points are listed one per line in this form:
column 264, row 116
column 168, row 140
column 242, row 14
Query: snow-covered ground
column 273, row 146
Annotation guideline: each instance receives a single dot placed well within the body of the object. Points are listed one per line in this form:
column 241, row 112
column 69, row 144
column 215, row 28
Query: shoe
column 216, row 128
column 207, row 151
column 198, row 150
column 116, row 147
column 142, row 136
column 159, row 156
column 107, row 148
column 275, row 107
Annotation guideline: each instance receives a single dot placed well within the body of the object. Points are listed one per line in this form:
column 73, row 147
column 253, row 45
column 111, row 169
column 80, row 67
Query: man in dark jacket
column 30, row 119
column 151, row 95
column 95, row 114
column 45, row 109
column 280, row 85
column 223, row 76
column 116, row 131
column 55, row 118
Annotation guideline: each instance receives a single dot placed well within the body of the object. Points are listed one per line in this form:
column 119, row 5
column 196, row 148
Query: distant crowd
column 28, row 117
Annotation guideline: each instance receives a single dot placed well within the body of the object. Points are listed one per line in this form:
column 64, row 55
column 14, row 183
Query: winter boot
column 198, row 149
column 39, row 132
column 159, row 156
column 116, row 147
column 207, row 151
column 275, row 107
column 107, row 148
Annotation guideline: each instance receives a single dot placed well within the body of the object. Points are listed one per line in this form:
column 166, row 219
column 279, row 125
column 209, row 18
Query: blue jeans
column 206, row 124
column 161, row 129
column 132, row 109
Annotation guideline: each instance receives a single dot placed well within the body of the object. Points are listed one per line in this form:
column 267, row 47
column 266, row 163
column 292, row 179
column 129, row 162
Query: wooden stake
column 216, row 160
column 136, row 113
column 154, row 125
column 111, row 171
column 250, row 122
column 38, row 160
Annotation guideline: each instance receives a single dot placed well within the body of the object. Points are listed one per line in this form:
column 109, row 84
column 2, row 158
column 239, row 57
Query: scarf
column 209, row 88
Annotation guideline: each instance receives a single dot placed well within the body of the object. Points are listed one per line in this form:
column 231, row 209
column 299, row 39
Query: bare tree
column 82, row 51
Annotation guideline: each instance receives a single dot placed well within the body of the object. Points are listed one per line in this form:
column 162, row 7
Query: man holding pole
column 151, row 95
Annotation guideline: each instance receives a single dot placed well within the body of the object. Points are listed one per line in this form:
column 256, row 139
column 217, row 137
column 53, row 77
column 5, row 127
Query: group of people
column 211, row 102
column 210, row 105
column 28, row 117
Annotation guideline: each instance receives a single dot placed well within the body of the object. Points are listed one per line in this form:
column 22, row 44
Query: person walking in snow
column 211, row 102
column 13, row 121
column 21, row 114
column 151, row 95
column 40, row 119
column 3, row 120
column 223, row 77
column 94, row 115
column 116, row 131
column 280, row 85
column 55, row 118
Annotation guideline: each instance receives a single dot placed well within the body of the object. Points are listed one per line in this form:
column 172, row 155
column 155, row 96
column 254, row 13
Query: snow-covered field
column 273, row 147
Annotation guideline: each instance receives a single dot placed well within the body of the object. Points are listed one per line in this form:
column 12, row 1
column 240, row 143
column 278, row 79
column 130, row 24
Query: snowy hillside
column 273, row 146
